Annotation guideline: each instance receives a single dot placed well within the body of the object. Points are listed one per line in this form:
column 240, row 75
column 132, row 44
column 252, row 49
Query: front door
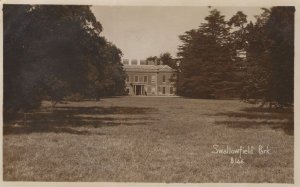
column 139, row 89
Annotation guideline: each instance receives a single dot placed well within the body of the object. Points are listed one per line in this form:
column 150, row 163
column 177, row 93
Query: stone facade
column 149, row 80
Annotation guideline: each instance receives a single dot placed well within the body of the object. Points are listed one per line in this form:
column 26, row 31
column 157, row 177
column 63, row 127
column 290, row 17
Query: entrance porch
column 139, row 89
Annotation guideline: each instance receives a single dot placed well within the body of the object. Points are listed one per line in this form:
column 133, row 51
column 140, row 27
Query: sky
column 143, row 31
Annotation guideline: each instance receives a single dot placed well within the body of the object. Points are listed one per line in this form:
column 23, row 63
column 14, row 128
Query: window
column 153, row 90
column 164, row 78
column 159, row 89
column 164, row 90
column 136, row 78
column 145, row 78
column 171, row 90
column 153, row 79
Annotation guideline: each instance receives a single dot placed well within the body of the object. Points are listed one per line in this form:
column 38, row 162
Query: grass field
column 149, row 139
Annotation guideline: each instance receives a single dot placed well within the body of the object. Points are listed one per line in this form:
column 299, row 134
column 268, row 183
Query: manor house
column 148, row 78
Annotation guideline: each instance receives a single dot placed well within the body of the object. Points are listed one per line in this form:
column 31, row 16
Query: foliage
column 167, row 59
column 207, row 66
column 163, row 59
column 270, row 58
column 212, row 65
column 52, row 51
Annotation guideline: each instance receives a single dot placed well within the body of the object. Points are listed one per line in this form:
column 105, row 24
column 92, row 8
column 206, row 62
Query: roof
column 148, row 68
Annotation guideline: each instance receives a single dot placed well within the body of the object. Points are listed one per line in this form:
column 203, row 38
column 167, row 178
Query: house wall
column 164, row 87
column 149, row 85
column 154, row 84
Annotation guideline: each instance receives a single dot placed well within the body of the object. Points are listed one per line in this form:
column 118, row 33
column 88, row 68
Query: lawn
column 149, row 139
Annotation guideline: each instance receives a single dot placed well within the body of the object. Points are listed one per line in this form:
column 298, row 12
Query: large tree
column 270, row 58
column 50, row 52
column 108, row 78
column 206, row 60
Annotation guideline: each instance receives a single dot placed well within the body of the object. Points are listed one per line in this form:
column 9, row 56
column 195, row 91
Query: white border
column 232, row 3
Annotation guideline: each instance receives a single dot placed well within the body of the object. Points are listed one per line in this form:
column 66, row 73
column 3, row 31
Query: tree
column 163, row 59
column 206, row 60
column 270, row 71
column 107, row 79
column 50, row 52
column 13, row 52
column 167, row 59
column 238, row 23
column 280, row 29
column 152, row 59
column 258, row 63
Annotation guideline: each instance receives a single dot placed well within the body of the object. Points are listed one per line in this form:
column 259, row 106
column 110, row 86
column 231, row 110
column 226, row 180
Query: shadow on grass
column 260, row 117
column 66, row 119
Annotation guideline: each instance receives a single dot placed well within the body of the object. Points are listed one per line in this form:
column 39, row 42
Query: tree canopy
column 234, row 58
column 52, row 51
column 270, row 58
column 207, row 68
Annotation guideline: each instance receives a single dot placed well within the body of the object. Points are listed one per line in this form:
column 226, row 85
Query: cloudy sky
column 147, row 31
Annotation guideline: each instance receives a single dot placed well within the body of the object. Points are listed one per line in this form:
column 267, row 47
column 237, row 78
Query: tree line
column 236, row 58
column 55, row 52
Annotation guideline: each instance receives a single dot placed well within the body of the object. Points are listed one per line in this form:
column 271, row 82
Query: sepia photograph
column 148, row 94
